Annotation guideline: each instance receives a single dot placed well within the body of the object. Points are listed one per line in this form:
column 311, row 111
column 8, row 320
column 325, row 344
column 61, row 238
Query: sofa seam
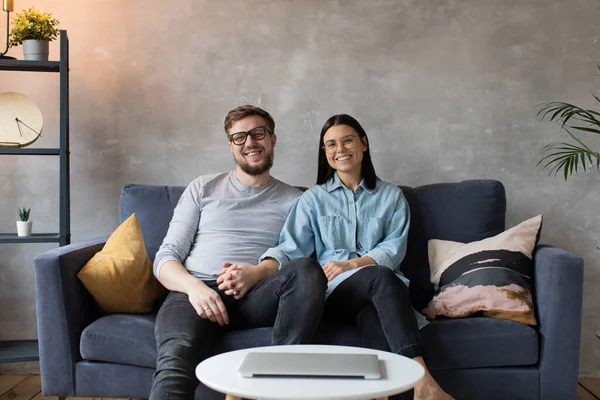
column 112, row 336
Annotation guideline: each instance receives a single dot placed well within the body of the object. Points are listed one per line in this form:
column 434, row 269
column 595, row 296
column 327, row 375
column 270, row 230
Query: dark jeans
column 291, row 301
column 377, row 301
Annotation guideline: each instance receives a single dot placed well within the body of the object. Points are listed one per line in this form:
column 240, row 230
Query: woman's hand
column 334, row 268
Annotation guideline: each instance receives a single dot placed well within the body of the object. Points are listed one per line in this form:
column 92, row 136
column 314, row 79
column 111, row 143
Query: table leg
column 382, row 398
column 230, row 397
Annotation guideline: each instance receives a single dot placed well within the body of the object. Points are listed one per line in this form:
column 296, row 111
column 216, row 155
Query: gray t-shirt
column 219, row 219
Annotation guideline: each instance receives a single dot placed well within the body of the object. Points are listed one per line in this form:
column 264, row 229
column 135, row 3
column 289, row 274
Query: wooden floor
column 29, row 387
column 589, row 389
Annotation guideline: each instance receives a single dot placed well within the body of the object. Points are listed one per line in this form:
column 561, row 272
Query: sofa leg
column 62, row 398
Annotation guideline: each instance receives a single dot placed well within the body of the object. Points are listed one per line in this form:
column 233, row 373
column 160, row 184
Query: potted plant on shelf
column 569, row 157
column 24, row 224
column 34, row 29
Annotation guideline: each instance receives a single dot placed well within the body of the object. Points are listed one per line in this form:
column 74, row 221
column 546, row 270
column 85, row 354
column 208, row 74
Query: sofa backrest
column 463, row 212
column 153, row 206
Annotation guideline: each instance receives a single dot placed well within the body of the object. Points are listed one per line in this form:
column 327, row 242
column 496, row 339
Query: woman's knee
column 307, row 271
column 306, row 267
column 382, row 277
column 379, row 272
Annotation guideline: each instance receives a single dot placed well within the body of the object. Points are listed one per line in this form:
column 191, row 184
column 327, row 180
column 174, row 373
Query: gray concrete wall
column 445, row 89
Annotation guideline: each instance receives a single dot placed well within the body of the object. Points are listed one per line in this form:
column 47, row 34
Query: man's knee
column 177, row 354
column 175, row 346
column 197, row 335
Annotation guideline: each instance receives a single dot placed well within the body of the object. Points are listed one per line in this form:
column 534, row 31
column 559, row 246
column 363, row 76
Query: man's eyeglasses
column 258, row 133
column 347, row 142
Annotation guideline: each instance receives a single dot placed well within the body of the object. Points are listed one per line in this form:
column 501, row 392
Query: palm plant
column 568, row 157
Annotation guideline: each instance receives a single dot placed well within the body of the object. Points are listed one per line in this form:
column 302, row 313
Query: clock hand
column 30, row 128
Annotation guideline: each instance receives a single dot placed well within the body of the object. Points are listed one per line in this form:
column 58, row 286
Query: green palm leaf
column 568, row 157
column 586, row 129
column 563, row 112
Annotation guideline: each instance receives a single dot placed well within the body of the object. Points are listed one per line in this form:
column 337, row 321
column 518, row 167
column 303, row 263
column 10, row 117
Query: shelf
column 34, row 238
column 34, row 151
column 27, row 350
column 19, row 351
column 33, row 66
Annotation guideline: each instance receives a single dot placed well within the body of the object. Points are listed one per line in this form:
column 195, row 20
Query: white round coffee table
column 221, row 374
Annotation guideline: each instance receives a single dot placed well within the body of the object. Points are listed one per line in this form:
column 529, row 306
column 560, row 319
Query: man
column 209, row 260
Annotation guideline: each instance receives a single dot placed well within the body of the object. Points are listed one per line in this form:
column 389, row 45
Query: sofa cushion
column 119, row 277
column 491, row 276
column 466, row 343
column 120, row 338
column 129, row 339
column 478, row 342
column 154, row 207
column 461, row 212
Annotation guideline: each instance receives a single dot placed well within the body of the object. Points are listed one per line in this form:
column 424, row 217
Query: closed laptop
column 264, row 364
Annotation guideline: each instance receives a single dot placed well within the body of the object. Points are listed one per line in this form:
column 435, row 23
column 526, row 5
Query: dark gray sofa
column 83, row 353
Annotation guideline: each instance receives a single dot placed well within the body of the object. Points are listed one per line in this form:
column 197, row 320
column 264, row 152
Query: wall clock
column 21, row 120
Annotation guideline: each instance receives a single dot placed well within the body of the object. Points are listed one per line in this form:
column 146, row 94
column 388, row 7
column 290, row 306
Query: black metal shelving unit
column 27, row 350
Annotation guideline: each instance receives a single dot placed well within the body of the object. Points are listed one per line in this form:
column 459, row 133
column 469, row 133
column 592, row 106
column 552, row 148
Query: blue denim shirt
column 333, row 223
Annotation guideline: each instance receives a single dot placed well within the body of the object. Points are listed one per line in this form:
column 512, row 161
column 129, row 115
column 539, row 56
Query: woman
column 357, row 226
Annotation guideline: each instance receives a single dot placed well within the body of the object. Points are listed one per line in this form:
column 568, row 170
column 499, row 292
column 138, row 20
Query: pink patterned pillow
column 491, row 276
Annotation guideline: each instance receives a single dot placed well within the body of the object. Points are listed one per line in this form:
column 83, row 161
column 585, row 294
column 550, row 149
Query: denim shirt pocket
column 330, row 230
column 372, row 232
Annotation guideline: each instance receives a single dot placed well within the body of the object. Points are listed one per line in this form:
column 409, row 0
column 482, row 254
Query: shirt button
column 351, row 202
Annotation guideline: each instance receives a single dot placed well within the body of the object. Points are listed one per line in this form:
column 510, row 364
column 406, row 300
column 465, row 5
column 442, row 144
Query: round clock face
column 21, row 120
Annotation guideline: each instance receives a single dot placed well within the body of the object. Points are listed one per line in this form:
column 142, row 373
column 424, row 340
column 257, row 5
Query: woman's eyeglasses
column 347, row 142
column 258, row 133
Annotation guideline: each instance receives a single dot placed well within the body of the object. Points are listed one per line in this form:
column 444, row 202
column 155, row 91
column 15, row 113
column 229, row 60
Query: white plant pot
column 24, row 228
column 36, row 50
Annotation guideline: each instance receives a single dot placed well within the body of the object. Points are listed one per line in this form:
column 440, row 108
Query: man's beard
column 257, row 170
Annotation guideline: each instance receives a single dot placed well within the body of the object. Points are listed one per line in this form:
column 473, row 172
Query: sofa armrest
column 64, row 308
column 559, row 297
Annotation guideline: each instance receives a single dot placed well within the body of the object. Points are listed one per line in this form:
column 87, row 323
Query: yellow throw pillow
column 120, row 277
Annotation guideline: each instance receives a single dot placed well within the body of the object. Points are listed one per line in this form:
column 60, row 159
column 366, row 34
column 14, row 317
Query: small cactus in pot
column 24, row 224
column 23, row 213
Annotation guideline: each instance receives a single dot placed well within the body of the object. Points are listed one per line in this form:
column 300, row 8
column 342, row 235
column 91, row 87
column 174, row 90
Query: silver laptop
column 361, row 366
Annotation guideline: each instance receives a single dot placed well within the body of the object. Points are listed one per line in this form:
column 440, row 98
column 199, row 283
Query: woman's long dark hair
column 325, row 172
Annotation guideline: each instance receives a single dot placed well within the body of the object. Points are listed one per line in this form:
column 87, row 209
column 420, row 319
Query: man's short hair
column 242, row 112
